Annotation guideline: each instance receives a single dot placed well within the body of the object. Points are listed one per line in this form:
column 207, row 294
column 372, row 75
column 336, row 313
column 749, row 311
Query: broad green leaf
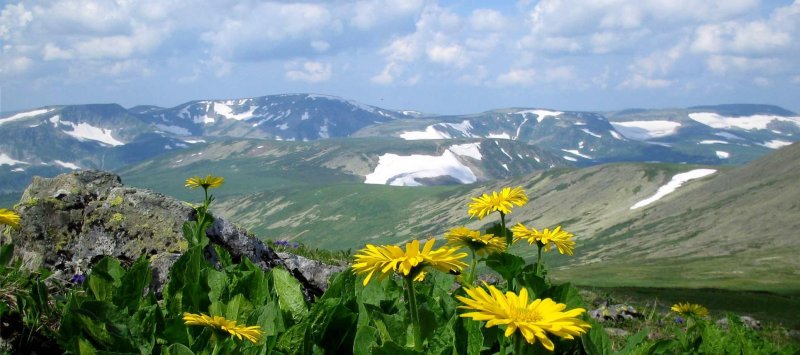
column 468, row 336
column 295, row 340
column 366, row 339
column 177, row 349
column 223, row 256
column 105, row 277
column 392, row 348
column 85, row 347
column 536, row 285
column 184, row 292
column 505, row 264
column 633, row 341
column 290, row 295
column 215, row 282
column 6, row 254
column 237, row 307
column 132, row 285
column 565, row 293
column 596, row 341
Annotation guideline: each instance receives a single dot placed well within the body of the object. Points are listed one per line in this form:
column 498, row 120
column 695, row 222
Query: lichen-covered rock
column 311, row 271
column 614, row 313
column 72, row 220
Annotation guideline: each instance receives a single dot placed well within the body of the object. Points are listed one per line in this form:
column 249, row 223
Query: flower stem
column 519, row 344
column 471, row 275
column 414, row 312
column 505, row 232
column 539, row 260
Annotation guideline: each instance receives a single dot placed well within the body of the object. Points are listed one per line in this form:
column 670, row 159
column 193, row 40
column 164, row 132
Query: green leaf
column 132, row 285
column 106, row 275
column 505, row 264
column 392, row 348
column 535, row 284
column 177, row 349
column 237, row 307
column 296, row 340
column 633, row 341
column 85, row 347
column 223, row 256
column 366, row 339
column 596, row 341
column 566, row 294
column 290, row 294
column 468, row 336
column 184, row 292
column 6, row 254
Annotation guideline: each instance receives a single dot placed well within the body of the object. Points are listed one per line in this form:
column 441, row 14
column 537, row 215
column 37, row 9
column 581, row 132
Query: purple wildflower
column 78, row 278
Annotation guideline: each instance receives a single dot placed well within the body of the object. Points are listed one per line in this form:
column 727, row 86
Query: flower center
column 525, row 315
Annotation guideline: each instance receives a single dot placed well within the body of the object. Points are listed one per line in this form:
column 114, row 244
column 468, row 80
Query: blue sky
column 443, row 57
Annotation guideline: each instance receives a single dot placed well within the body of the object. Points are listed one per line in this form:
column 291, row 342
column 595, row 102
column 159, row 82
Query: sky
column 435, row 56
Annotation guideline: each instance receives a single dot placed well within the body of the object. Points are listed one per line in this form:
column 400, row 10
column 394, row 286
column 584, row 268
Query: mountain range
column 54, row 139
column 699, row 196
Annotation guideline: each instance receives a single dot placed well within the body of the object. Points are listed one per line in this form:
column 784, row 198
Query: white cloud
column 734, row 37
column 312, row 72
column 320, row 46
column 452, row 54
column 13, row 18
column 637, row 81
column 53, row 52
column 487, row 20
column 517, row 77
column 761, row 81
column 15, row 65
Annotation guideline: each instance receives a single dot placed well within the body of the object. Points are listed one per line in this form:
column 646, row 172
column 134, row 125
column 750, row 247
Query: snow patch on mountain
column 225, row 110
column 541, row 114
column 644, row 130
column 723, row 154
column 712, row 141
column 72, row 166
column 677, row 181
column 176, row 130
column 715, row 120
column 430, row 132
column 471, row 150
column 727, row 135
column 775, row 144
column 7, row 160
column 398, row 170
column 576, row 152
column 499, row 136
column 569, row 158
column 25, row 114
column 615, row 135
column 591, row 133
column 84, row 131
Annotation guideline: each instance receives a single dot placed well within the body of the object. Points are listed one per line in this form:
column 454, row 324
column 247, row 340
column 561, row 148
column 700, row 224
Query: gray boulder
column 72, row 220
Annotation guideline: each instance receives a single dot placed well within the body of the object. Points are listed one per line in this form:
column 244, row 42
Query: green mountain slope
column 736, row 228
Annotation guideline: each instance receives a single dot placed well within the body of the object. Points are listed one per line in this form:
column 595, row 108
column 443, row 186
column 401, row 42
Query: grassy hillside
column 735, row 229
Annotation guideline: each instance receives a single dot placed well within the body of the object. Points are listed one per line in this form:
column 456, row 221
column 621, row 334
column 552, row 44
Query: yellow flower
column 481, row 244
column 533, row 320
column 560, row 238
column 502, row 202
column 9, row 218
column 206, row 182
column 690, row 309
column 252, row 333
column 391, row 258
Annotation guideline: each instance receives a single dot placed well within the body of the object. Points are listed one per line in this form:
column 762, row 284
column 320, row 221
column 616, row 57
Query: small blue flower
column 679, row 320
column 78, row 278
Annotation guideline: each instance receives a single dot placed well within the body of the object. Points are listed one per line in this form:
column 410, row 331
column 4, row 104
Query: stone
column 617, row 332
column 748, row 322
column 614, row 313
column 72, row 220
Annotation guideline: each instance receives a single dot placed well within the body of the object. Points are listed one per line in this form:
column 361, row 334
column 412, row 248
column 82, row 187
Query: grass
column 763, row 306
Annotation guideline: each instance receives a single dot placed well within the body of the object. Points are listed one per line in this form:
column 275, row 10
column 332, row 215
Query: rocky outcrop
column 72, row 220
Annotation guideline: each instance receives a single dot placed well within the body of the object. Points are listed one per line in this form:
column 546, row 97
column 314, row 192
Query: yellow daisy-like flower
column 251, row 333
column 481, row 244
column 391, row 258
column 502, row 202
column 690, row 309
column 9, row 218
column 533, row 320
column 558, row 237
column 206, row 182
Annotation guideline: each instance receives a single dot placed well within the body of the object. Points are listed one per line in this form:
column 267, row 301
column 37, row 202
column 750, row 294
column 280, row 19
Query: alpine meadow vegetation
column 418, row 298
